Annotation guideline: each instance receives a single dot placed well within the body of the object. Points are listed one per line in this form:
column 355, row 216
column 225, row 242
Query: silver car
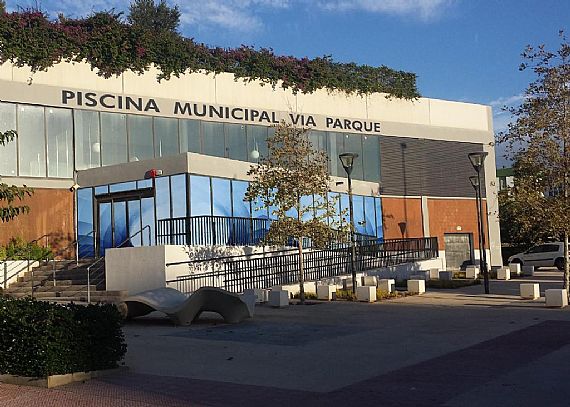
column 543, row 255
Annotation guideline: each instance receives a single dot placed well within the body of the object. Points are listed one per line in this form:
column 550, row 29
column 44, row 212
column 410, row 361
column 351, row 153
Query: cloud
column 233, row 15
column 507, row 101
column 422, row 9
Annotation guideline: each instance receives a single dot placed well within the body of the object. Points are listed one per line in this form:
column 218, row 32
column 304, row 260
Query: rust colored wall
column 51, row 211
column 446, row 214
column 397, row 210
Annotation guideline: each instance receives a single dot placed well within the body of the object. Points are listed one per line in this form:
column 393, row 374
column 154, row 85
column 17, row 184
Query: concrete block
column 504, row 273
column 371, row 281
column 434, row 274
column 366, row 293
column 347, row 283
column 530, row 291
column 279, row 298
column 528, row 270
column 515, row 269
column 446, row 275
column 261, row 295
column 472, row 272
column 387, row 284
column 556, row 298
column 417, row 286
column 325, row 292
column 419, row 276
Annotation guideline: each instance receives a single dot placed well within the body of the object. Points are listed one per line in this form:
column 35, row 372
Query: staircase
column 67, row 283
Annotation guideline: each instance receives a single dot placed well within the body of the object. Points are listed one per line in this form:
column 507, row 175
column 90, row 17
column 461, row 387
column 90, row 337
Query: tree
column 285, row 182
column 146, row 14
column 539, row 142
column 11, row 193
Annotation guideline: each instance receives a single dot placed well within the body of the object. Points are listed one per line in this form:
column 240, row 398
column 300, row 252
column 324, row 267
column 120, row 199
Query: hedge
column 112, row 47
column 38, row 339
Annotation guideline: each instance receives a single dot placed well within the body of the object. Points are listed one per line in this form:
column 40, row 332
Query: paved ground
column 448, row 348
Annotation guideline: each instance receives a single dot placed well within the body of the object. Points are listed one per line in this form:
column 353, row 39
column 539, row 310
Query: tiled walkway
column 430, row 383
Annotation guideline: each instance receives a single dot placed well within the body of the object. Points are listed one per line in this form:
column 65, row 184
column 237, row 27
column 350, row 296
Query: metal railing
column 225, row 230
column 263, row 270
column 212, row 230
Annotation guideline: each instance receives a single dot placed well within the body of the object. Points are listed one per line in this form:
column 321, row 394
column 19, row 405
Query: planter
column 57, row 380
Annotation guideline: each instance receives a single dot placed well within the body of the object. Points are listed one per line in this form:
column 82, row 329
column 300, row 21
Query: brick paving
column 429, row 383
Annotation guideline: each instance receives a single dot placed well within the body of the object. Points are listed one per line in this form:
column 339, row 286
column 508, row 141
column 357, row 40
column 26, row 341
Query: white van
column 543, row 255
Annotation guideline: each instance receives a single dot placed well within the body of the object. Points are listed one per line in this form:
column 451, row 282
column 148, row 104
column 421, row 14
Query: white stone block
column 279, row 298
column 530, row 291
column 371, row 281
column 325, row 292
column 515, row 269
column 261, row 295
column 387, row 284
column 556, row 298
column 434, row 274
column 504, row 273
column 347, row 283
column 472, row 272
column 417, row 286
column 528, row 270
column 418, row 276
column 446, row 275
column 366, row 293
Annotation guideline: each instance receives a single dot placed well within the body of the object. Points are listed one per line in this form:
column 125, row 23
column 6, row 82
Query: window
column 239, row 206
column 87, row 140
column 371, row 158
column 59, row 142
column 256, row 143
column 200, row 195
column 179, row 196
column 190, row 136
column 141, row 146
column 236, row 142
column 31, row 140
column 222, row 205
column 9, row 151
column 162, row 197
column 113, row 138
column 165, row 137
column 213, row 139
column 353, row 144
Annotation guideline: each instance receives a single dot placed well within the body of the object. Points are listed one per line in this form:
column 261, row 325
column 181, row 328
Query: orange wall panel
column 402, row 210
column 446, row 215
column 51, row 212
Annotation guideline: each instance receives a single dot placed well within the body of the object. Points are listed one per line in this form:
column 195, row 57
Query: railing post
column 5, row 275
column 88, row 285
column 53, row 271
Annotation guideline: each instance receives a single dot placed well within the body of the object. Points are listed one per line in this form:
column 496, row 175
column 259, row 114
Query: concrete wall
column 10, row 270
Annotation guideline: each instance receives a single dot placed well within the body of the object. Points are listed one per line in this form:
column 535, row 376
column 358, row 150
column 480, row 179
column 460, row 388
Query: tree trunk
column 566, row 266
column 301, row 271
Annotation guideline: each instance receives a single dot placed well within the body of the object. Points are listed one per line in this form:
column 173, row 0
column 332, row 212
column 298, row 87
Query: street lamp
column 478, row 162
column 347, row 160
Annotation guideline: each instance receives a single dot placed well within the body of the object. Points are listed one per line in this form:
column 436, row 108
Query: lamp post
column 347, row 160
column 478, row 162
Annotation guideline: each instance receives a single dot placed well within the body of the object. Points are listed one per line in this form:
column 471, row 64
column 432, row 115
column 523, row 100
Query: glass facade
column 119, row 211
column 46, row 136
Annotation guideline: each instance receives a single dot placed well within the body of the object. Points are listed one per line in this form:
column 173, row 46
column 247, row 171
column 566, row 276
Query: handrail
column 103, row 258
column 77, row 245
column 177, row 263
column 89, row 278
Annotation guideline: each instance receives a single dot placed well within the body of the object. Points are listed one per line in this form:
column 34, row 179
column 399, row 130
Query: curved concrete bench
column 182, row 310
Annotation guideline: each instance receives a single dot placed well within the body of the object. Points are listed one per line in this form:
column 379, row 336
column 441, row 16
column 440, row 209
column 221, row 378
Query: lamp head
column 474, row 181
column 477, row 159
column 347, row 160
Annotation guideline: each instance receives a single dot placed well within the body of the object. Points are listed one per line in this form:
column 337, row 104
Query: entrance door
column 119, row 219
column 458, row 250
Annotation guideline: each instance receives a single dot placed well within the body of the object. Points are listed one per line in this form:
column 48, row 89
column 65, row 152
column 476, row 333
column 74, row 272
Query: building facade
column 203, row 132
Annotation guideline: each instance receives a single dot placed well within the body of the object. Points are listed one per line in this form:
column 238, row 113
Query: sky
column 462, row 50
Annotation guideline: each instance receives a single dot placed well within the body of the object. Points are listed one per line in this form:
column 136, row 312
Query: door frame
column 112, row 197
column 471, row 247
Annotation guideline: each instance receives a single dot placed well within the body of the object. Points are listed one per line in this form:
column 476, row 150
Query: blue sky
column 464, row 50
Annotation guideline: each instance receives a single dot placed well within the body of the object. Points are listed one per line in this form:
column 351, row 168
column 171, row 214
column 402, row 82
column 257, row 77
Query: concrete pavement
column 447, row 347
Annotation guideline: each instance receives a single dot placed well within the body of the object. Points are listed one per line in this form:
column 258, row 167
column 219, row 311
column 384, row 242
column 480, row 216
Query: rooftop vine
column 112, row 46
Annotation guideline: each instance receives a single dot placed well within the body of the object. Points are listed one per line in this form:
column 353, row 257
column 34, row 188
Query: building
column 202, row 132
column 505, row 178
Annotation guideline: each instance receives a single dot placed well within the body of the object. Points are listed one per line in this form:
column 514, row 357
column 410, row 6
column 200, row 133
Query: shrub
column 18, row 249
column 38, row 339
column 308, row 296
column 451, row 284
